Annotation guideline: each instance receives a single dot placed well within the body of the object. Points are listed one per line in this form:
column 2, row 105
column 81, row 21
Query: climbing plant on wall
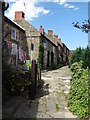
column 41, row 54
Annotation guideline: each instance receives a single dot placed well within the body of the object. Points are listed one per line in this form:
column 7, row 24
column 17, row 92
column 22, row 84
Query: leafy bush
column 41, row 54
column 56, row 66
column 18, row 82
column 78, row 100
column 13, row 81
column 53, row 66
column 28, row 64
column 81, row 54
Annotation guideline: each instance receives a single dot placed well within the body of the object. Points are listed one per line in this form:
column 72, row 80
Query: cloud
column 66, row 5
column 76, row 8
column 71, row 6
column 62, row 2
column 31, row 8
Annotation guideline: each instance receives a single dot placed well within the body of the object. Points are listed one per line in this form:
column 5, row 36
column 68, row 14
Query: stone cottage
column 34, row 37
column 53, row 47
column 50, row 48
column 15, row 42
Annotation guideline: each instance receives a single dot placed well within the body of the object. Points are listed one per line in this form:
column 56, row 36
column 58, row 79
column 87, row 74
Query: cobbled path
column 51, row 99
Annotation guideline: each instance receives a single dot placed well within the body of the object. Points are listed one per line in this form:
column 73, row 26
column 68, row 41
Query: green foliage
column 81, row 54
column 17, row 83
column 78, row 100
column 41, row 54
column 55, row 66
column 28, row 64
column 57, row 107
column 13, row 81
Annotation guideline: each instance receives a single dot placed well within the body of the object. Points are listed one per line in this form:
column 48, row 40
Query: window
column 13, row 33
column 53, row 49
column 14, row 49
column 58, row 47
column 45, row 44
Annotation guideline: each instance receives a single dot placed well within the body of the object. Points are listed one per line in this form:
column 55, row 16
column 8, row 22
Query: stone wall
column 48, row 47
column 31, row 35
column 20, row 40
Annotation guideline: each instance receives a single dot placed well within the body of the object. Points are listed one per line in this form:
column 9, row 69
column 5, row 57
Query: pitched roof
column 30, row 30
column 53, row 39
column 17, row 25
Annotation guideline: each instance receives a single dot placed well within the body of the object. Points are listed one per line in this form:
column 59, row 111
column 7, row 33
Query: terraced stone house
column 35, row 37
column 15, row 42
column 23, row 40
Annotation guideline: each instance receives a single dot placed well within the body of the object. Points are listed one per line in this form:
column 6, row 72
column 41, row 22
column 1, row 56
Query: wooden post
column 32, row 90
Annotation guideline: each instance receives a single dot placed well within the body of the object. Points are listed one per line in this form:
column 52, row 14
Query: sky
column 56, row 15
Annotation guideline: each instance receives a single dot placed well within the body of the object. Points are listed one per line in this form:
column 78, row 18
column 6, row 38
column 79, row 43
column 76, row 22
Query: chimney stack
column 50, row 33
column 59, row 39
column 41, row 29
column 19, row 15
column 56, row 36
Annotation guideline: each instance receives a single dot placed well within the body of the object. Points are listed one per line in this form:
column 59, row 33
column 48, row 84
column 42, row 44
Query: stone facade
column 32, row 36
column 60, row 54
column 15, row 36
column 55, row 52
column 66, row 53
column 50, row 52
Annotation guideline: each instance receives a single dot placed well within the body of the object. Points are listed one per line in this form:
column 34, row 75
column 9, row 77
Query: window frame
column 11, row 34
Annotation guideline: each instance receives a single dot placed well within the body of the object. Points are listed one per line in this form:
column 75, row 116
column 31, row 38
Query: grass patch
column 60, row 93
column 61, row 84
column 57, row 107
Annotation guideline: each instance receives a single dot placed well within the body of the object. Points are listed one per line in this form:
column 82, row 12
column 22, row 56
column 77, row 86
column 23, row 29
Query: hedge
column 78, row 100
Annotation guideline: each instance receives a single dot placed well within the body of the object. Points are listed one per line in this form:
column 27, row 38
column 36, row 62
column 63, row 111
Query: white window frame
column 11, row 34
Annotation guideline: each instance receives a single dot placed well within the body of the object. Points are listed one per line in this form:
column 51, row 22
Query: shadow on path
column 22, row 107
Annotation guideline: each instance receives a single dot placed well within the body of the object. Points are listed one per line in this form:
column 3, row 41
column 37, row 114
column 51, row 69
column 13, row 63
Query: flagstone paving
column 51, row 99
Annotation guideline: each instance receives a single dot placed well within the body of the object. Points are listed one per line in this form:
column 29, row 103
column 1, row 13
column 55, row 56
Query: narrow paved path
column 51, row 100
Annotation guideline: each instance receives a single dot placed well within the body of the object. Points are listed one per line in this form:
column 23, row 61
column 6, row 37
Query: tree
column 81, row 55
column 85, row 27
column 76, row 56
